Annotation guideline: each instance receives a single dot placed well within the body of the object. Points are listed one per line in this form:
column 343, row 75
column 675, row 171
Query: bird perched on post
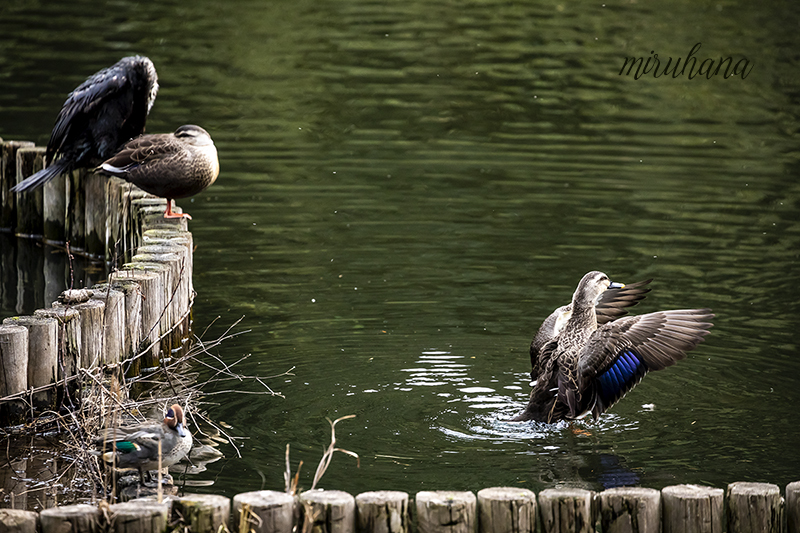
column 101, row 114
column 585, row 361
column 169, row 165
column 137, row 446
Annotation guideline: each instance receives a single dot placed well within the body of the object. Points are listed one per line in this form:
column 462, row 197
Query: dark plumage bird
column 169, row 165
column 588, row 355
column 137, row 446
column 106, row 110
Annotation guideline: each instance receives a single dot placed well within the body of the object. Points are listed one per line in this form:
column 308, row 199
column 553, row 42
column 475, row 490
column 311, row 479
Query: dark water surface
column 409, row 188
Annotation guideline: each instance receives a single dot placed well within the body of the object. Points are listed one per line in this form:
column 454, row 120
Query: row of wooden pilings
column 134, row 319
column 751, row 507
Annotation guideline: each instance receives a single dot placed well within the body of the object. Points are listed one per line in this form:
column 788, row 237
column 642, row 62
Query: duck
column 137, row 446
column 169, row 165
column 592, row 353
column 611, row 304
column 99, row 116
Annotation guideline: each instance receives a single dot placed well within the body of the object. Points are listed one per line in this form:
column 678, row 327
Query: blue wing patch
column 620, row 377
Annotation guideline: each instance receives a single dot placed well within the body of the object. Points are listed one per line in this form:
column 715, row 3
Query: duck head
column 591, row 287
column 174, row 419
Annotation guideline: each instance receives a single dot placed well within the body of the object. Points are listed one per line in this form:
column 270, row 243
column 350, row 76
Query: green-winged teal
column 169, row 165
column 101, row 114
column 588, row 355
column 137, row 446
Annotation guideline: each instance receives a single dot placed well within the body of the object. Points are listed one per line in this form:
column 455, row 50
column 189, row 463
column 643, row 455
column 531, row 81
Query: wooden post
column 691, row 509
column 91, row 313
column 113, row 321
column 55, row 211
column 327, row 511
column 630, row 510
column 132, row 293
column 13, row 371
column 173, row 256
column 138, row 516
column 75, row 223
column 8, row 178
column 18, row 521
column 30, row 212
column 263, row 511
column 754, row 508
column 42, row 356
column 383, row 511
column 793, row 507
column 201, row 512
column 446, row 512
column 80, row 518
column 507, row 509
column 95, row 215
column 153, row 279
column 69, row 338
column 116, row 221
column 567, row 509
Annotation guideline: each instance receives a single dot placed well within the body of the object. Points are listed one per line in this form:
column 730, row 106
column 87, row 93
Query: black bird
column 100, row 115
column 585, row 368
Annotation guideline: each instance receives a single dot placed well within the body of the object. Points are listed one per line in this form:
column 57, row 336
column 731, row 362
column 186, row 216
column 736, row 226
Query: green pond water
column 409, row 188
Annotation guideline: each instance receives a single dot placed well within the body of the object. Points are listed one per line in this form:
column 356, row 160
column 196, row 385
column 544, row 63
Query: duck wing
column 620, row 353
column 143, row 150
column 614, row 303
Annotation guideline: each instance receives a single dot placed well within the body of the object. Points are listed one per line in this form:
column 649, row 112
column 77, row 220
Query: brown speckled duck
column 137, row 446
column 586, row 361
column 169, row 165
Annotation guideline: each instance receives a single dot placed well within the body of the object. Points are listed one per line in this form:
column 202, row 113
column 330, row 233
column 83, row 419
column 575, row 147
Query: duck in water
column 137, row 446
column 586, row 359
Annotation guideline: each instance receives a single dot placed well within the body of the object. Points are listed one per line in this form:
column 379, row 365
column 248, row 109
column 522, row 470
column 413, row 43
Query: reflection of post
column 43, row 467
column 30, row 276
column 75, row 230
column 8, row 271
column 13, row 484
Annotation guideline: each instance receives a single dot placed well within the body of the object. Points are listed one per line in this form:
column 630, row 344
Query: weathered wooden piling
column 75, row 222
column 30, row 215
column 327, row 511
column 792, row 503
column 446, row 512
column 263, row 511
column 113, row 321
column 567, row 509
column 8, row 178
column 138, row 516
column 630, row 510
column 91, row 315
column 18, row 521
column 754, row 508
column 80, row 518
column 691, row 509
column 153, row 281
column 42, row 356
column 505, row 509
column 201, row 512
column 69, row 338
column 383, row 511
column 13, row 370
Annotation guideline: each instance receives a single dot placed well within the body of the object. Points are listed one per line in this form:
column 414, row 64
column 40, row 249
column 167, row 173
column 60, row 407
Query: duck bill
column 180, row 430
column 615, row 285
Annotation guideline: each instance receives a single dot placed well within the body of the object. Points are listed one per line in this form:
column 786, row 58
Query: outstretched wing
column 614, row 303
column 620, row 353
